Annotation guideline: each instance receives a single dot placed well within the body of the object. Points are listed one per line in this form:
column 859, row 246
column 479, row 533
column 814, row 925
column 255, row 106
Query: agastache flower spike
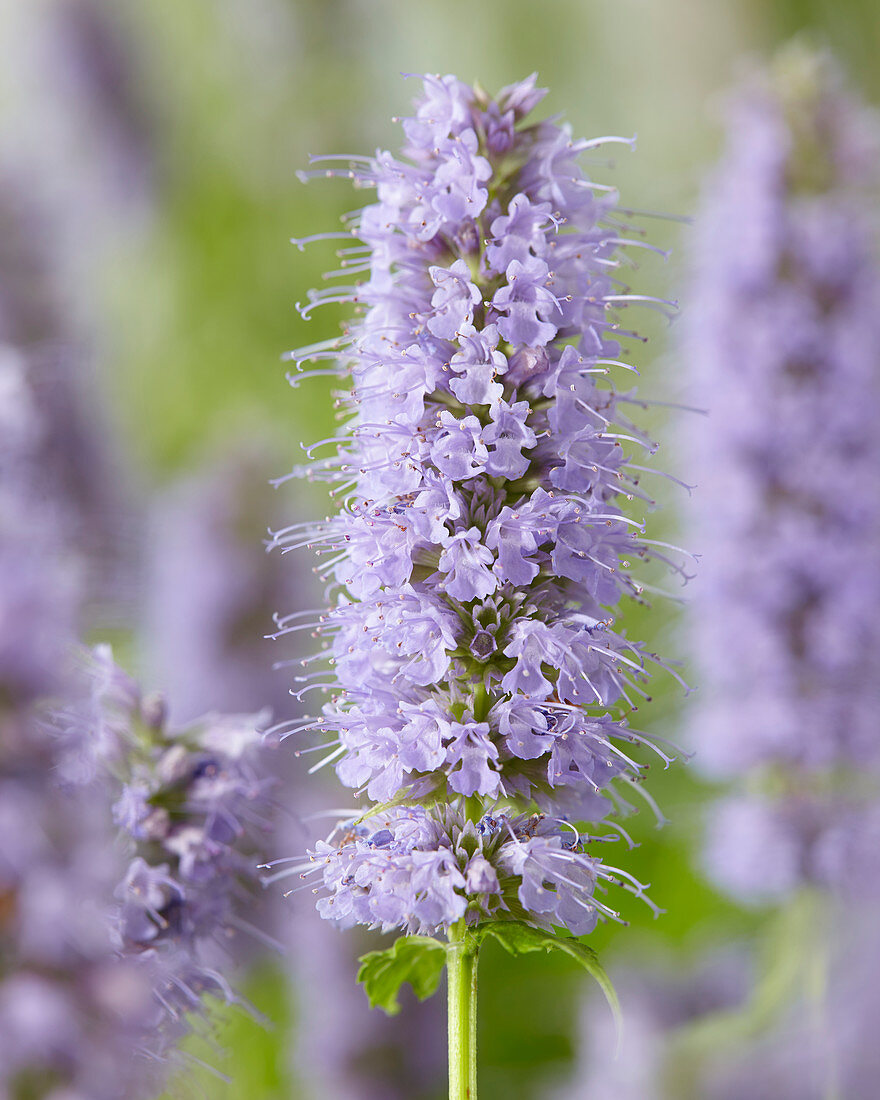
column 480, row 551
column 785, row 337
column 784, row 340
column 193, row 805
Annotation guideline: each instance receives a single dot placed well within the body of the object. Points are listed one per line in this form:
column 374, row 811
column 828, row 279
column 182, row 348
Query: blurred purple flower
column 824, row 1043
column 80, row 132
column 657, row 1004
column 760, row 850
column 205, row 634
column 56, row 449
column 195, row 807
column 784, row 330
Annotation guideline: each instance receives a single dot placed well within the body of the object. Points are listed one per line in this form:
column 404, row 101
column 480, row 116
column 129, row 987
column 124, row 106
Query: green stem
column 461, row 969
column 482, row 703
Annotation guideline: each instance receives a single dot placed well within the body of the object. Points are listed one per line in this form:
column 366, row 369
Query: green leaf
column 519, row 938
column 418, row 960
column 404, row 798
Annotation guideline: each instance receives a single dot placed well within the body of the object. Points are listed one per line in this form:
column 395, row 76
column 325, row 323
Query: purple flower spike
column 784, row 334
column 194, row 806
column 481, row 550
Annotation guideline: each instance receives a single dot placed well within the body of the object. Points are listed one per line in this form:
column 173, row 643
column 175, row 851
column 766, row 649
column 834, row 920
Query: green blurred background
column 191, row 305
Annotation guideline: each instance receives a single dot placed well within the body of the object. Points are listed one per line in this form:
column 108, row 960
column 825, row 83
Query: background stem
column 462, row 1004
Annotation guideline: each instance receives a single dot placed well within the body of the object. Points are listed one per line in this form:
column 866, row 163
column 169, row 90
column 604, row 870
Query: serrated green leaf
column 418, row 960
column 519, row 939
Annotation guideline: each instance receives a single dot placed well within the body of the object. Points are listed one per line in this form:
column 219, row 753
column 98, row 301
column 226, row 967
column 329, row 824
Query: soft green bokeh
column 240, row 1053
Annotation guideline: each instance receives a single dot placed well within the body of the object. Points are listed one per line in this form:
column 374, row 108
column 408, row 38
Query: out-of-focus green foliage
column 237, row 1053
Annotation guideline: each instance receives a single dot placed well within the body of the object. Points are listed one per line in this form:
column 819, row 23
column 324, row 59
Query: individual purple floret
column 481, row 549
column 784, row 331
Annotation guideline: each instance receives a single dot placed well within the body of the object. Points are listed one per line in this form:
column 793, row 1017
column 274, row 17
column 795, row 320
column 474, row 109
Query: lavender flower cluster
column 784, row 338
column 194, row 806
column 418, row 870
column 481, row 549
